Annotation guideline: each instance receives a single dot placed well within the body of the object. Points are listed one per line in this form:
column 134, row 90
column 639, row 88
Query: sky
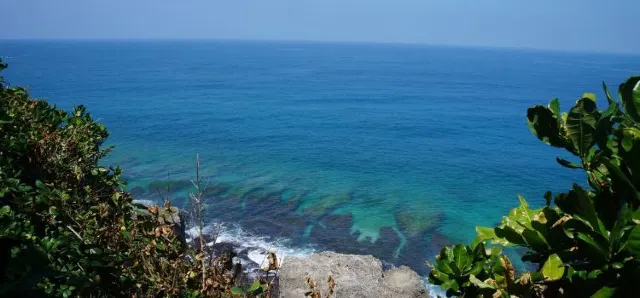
column 584, row 25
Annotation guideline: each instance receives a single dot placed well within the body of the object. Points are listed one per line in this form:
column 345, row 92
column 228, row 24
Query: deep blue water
column 393, row 150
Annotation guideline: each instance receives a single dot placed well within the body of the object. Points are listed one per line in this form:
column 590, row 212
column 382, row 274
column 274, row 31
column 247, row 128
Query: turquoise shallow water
column 393, row 150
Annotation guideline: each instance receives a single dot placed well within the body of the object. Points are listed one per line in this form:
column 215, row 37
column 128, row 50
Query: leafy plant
column 67, row 227
column 585, row 242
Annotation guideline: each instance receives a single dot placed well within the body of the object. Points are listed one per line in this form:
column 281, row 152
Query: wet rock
column 238, row 251
column 355, row 276
column 206, row 239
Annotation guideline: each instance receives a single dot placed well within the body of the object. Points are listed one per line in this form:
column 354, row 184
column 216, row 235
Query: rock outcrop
column 175, row 218
column 355, row 276
column 170, row 216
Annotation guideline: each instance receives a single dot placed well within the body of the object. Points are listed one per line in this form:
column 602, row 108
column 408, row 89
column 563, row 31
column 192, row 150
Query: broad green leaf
column 477, row 267
column 575, row 275
column 522, row 214
column 553, row 268
column 518, row 227
column 633, row 242
column 544, row 125
column 485, row 233
column 612, row 110
column 605, row 292
column 630, row 137
column 535, row 240
column 599, row 249
column 554, row 106
column 443, row 266
column 479, row 252
column 436, row 276
column 617, row 231
column 578, row 204
column 568, row 164
column 589, row 96
column 630, row 96
column 620, row 177
column 610, row 99
column 594, row 274
column 603, row 133
column 480, row 284
column 581, row 125
column 462, row 258
column 476, row 241
column 511, row 236
column 450, row 284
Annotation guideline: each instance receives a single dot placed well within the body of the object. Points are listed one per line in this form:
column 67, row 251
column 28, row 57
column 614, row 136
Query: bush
column 67, row 228
column 587, row 243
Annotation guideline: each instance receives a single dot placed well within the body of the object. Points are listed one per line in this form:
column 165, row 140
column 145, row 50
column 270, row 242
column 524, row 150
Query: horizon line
column 362, row 42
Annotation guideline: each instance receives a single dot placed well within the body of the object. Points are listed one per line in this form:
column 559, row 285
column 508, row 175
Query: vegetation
column 582, row 243
column 67, row 228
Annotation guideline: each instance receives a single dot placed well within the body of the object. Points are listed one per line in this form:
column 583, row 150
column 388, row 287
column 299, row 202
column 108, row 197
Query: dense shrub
column 67, row 228
column 584, row 243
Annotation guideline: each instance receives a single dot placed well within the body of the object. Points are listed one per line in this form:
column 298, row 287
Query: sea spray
column 251, row 249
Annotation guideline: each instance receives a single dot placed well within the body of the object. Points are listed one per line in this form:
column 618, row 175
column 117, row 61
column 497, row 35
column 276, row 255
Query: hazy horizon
column 337, row 42
column 570, row 25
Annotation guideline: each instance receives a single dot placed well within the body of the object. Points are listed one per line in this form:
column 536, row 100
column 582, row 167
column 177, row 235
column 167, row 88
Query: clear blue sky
column 591, row 25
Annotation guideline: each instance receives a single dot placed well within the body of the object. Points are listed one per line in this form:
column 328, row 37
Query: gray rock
column 355, row 276
column 174, row 217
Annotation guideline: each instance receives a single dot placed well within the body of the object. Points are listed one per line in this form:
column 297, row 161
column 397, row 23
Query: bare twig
column 75, row 233
column 197, row 205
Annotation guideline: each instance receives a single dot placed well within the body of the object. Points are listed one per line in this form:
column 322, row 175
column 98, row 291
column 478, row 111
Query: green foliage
column 585, row 242
column 67, row 228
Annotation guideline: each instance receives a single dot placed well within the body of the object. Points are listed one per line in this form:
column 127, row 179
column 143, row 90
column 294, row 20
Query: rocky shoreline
column 355, row 276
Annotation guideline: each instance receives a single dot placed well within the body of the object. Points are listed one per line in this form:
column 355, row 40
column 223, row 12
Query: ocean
column 385, row 149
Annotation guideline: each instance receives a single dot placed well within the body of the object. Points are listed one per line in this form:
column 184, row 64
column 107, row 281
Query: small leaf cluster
column 584, row 242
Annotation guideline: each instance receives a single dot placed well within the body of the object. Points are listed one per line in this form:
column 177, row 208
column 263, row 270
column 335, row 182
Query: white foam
column 258, row 246
column 145, row 202
column 433, row 290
